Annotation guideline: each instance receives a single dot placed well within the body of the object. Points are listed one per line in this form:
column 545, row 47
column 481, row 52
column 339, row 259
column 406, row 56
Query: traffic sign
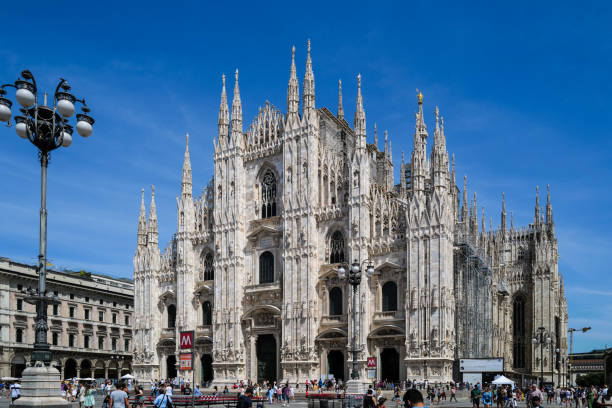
column 186, row 340
column 371, row 362
column 186, row 360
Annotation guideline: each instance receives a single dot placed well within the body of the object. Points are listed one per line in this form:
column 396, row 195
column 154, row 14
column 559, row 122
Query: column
column 378, row 363
column 253, row 355
column 106, row 370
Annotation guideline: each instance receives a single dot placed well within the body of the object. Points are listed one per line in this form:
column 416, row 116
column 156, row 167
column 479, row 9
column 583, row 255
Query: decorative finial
column 152, row 189
column 293, row 53
column 236, row 74
column 187, row 139
column 359, row 81
column 308, row 45
column 375, row 136
column 419, row 97
column 223, row 80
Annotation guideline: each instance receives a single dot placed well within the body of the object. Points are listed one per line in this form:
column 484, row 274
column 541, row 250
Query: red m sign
column 186, row 340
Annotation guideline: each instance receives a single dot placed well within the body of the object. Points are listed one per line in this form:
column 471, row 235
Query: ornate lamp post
column 543, row 339
column 354, row 279
column 47, row 128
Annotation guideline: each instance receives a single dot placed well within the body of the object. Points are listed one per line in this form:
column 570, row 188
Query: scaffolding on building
column 473, row 285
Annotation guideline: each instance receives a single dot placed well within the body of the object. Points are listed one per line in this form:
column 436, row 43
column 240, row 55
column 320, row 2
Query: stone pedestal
column 40, row 387
column 356, row 387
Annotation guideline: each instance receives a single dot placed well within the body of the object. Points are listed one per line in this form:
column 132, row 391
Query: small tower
column 359, row 122
column 340, row 108
column 153, row 233
column 223, row 132
column 419, row 152
column 308, row 101
column 293, row 89
column 142, row 223
column 236, row 114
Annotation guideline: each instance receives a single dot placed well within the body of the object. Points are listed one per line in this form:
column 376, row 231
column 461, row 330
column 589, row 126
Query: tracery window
column 518, row 324
column 389, row 297
column 335, row 301
column 206, row 314
column 268, row 195
column 266, row 267
column 209, row 270
column 336, row 246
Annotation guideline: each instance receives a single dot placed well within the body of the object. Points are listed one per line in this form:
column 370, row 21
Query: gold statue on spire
column 419, row 96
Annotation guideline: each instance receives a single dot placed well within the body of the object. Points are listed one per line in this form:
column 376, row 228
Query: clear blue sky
column 524, row 89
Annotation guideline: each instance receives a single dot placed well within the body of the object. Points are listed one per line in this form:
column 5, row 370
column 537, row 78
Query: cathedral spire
column 503, row 214
column 483, row 225
column 537, row 208
column 419, row 152
column 223, row 115
column 236, row 113
column 403, row 178
column 390, row 150
column 375, row 136
column 308, row 102
column 153, row 233
column 453, row 182
column 142, row 223
column 186, row 184
column 464, row 205
column 359, row 122
column 386, row 144
column 511, row 221
column 340, row 108
column 293, row 89
column 549, row 211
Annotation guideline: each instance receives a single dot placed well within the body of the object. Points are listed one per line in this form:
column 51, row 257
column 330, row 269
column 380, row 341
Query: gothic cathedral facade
column 253, row 265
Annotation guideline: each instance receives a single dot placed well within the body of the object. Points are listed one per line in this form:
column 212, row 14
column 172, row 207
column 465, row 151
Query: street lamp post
column 47, row 128
column 354, row 279
column 543, row 339
column 571, row 351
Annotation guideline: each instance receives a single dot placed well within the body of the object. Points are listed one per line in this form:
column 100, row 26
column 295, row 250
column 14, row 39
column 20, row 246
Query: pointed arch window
column 209, row 270
column 335, row 301
column 389, row 297
column 268, row 195
column 266, row 267
column 206, row 313
column 171, row 317
column 336, row 246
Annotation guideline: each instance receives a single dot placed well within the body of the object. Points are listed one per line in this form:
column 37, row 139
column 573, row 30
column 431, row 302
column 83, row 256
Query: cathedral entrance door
column 389, row 365
column 266, row 358
column 171, row 366
column 335, row 364
column 207, row 370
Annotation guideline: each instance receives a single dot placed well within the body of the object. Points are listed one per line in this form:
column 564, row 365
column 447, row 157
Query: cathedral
column 296, row 196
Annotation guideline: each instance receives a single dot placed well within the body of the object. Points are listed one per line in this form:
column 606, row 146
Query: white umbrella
column 501, row 380
column 128, row 377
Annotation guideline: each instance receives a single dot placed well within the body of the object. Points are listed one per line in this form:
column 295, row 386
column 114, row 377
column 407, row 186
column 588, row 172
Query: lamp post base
column 40, row 387
column 356, row 387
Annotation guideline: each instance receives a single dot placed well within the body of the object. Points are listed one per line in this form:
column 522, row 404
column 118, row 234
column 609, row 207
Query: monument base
column 355, row 387
column 40, row 387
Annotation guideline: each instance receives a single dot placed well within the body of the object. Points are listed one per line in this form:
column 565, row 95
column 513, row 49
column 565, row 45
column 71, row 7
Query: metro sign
column 186, row 340
column 371, row 362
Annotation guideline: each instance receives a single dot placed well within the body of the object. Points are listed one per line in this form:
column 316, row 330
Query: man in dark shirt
column 244, row 401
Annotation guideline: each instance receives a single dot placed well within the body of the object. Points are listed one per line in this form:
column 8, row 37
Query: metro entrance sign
column 371, row 362
column 186, row 361
column 186, row 340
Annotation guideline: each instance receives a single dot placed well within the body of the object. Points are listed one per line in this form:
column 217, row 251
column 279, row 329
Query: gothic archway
column 171, row 366
column 266, row 358
column 335, row 364
column 336, row 248
column 389, row 365
column 207, row 369
column 268, row 194
column 519, row 332
column 171, row 316
column 206, row 314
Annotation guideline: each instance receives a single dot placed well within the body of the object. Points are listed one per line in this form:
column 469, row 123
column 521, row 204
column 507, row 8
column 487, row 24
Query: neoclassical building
column 252, row 267
column 90, row 330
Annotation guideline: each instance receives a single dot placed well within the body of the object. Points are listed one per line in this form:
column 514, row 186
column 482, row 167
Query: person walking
column 90, row 400
column 119, row 397
column 453, row 394
column 163, row 400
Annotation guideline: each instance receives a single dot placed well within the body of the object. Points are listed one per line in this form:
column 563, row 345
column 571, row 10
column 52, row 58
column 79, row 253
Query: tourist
column 486, row 397
column 168, row 390
column 244, row 401
column 89, row 400
column 139, row 394
column 475, row 396
column 81, row 395
column 453, row 394
column 162, row 399
column 119, row 397
column 413, row 399
column 15, row 391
